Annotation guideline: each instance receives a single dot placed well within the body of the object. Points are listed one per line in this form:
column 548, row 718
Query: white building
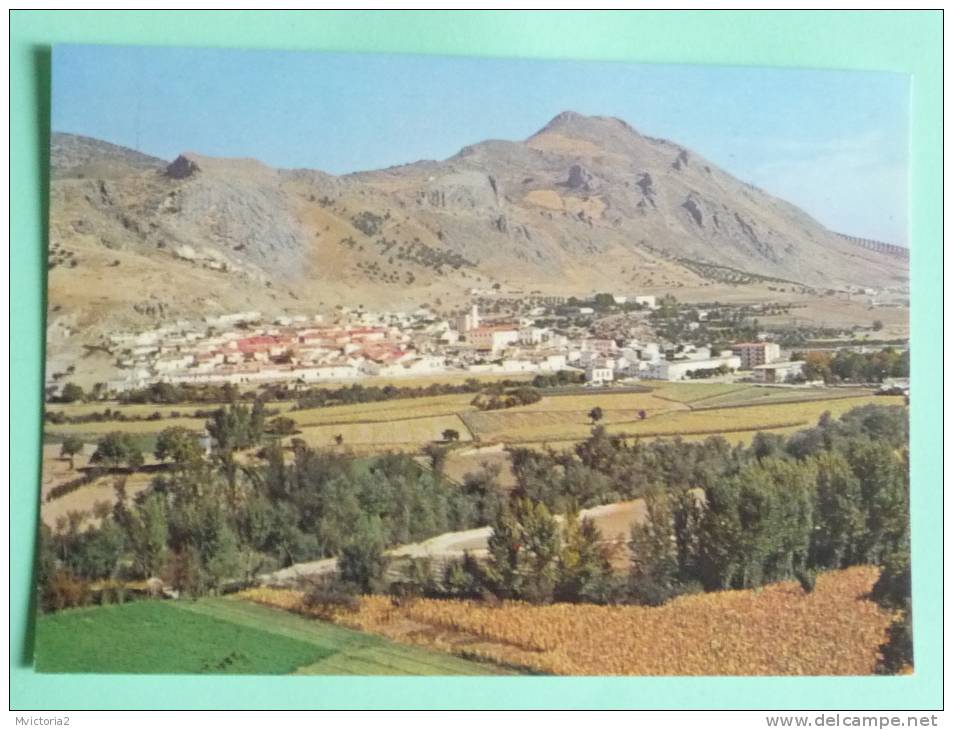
column 679, row 369
column 753, row 354
column 646, row 301
column 599, row 372
column 533, row 335
column 778, row 372
column 470, row 321
column 492, row 338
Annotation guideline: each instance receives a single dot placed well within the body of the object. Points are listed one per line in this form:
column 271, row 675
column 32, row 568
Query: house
column 646, row 301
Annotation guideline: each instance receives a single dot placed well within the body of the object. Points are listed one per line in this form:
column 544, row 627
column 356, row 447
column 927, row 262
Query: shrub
column 326, row 597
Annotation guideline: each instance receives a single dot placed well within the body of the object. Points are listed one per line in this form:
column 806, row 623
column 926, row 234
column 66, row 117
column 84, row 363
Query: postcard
column 364, row 365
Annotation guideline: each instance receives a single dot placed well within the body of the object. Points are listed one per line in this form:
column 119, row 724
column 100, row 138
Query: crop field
column 135, row 427
column 85, row 497
column 688, row 392
column 413, row 431
column 530, row 427
column 384, row 410
column 775, row 630
column 690, row 410
column 223, row 636
column 606, row 400
column 755, row 395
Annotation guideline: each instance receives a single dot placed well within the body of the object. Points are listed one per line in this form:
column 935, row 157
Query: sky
column 835, row 143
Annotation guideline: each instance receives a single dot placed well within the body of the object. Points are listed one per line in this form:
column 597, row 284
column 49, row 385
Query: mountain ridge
column 584, row 204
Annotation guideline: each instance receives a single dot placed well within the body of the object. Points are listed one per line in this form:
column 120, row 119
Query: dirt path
column 614, row 520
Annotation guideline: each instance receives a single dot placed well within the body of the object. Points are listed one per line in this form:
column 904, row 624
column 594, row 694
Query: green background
column 881, row 40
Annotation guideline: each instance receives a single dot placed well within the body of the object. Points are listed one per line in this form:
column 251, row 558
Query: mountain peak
column 572, row 121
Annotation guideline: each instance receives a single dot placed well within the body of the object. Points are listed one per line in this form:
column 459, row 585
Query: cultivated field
column 399, row 432
column 775, row 630
column 692, row 411
column 223, row 636
column 543, row 425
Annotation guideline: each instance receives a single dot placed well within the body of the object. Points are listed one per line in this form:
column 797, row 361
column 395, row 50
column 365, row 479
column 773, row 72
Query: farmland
column 775, row 630
column 223, row 636
column 692, row 411
column 670, row 409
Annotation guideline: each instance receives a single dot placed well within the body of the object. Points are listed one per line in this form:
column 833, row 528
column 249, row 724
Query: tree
column 524, row 551
column 362, row 562
column 450, row 434
column 654, row 567
column 234, row 427
column 438, row 457
column 595, row 414
column 585, row 573
column 71, row 446
column 117, row 448
column 838, row 513
column 178, row 445
column 71, row 393
column 218, row 548
column 878, row 325
column 147, row 531
column 281, row 426
column 339, row 439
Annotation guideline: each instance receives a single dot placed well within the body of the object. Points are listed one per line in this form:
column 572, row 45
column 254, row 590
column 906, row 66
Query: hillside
column 585, row 204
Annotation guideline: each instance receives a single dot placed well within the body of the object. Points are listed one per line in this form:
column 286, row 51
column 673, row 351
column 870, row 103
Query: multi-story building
column 493, row 338
column 753, row 354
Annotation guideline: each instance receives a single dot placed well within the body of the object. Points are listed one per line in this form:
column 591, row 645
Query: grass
column 222, row 636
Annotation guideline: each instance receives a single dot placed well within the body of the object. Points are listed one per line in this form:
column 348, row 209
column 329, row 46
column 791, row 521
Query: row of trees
column 846, row 366
column 510, row 398
column 210, row 520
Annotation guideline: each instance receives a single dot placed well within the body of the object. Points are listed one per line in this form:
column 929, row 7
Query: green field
column 223, row 636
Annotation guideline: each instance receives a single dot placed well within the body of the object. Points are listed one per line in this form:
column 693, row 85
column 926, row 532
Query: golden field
column 417, row 431
column 775, row 630
column 561, row 426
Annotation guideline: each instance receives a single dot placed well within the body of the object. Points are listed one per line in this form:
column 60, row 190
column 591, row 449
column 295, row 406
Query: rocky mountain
column 585, row 204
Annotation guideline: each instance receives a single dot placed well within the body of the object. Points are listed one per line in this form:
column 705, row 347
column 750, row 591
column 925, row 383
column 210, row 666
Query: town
column 544, row 336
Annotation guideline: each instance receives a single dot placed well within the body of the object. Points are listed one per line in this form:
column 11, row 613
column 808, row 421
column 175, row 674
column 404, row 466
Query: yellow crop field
column 775, row 630
column 405, row 431
column 418, row 381
column 751, row 417
column 603, row 399
column 528, row 427
column 86, row 497
column 755, row 395
column 537, row 425
column 146, row 409
column 384, row 410
column 688, row 392
column 139, row 427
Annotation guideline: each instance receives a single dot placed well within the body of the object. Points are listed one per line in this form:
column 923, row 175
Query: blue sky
column 834, row 143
